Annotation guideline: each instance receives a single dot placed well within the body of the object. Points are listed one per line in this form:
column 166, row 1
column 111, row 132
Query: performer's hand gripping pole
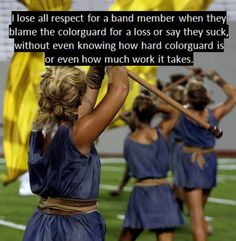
column 212, row 129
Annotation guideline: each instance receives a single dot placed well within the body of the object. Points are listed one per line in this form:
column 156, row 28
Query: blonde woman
column 64, row 166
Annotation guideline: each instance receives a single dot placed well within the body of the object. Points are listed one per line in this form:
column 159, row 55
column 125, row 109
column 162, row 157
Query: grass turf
column 17, row 209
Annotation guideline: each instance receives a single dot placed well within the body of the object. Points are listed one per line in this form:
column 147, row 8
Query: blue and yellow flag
column 20, row 100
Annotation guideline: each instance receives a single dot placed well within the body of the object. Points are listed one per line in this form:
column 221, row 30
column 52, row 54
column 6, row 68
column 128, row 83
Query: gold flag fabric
column 20, row 100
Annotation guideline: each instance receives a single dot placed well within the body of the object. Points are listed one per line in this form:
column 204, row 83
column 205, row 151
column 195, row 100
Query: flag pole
column 178, row 82
column 217, row 132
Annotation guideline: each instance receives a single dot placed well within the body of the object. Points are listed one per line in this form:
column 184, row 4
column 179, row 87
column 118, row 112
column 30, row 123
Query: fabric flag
column 148, row 73
column 160, row 5
column 20, row 100
column 188, row 5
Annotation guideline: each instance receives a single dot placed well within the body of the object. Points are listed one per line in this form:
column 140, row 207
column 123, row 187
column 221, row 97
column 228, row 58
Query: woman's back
column 148, row 160
column 195, row 135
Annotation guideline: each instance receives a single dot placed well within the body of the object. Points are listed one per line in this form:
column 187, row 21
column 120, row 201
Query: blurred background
column 224, row 63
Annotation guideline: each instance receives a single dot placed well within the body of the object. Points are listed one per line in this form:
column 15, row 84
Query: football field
column 15, row 210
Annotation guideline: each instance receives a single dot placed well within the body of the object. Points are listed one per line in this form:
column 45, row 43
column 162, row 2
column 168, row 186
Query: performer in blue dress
column 197, row 168
column 152, row 204
column 64, row 166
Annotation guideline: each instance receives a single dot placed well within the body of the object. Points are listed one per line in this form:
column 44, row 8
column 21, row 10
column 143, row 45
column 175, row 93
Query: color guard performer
column 64, row 165
column 152, row 204
column 197, row 168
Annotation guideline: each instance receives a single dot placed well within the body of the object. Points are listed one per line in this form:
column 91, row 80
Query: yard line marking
column 113, row 187
column 211, row 199
column 226, row 167
column 222, row 201
column 121, row 216
column 227, row 161
column 12, row 225
column 227, row 177
column 208, row 219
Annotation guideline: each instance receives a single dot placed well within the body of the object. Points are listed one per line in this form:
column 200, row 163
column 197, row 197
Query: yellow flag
column 148, row 73
column 160, row 5
column 139, row 5
column 47, row 5
column 20, row 100
column 188, row 5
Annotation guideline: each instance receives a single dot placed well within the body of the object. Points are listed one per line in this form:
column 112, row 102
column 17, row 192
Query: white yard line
column 113, row 161
column 226, row 167
column 227, row 177
column 227, row 161
column 12, row 225
column 208, row 219
column 113, row 187
column 222, row 201
column 120, row 216
column 211, row 199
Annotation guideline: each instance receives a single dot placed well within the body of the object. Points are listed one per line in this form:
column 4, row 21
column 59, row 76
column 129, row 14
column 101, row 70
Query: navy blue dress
column 150, row 207
column 62, row 171
column 191, row 175
column 175, row 146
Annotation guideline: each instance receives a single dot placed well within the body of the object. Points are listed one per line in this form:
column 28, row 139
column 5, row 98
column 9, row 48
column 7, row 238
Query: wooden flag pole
column 178, row 82
column 212, row 129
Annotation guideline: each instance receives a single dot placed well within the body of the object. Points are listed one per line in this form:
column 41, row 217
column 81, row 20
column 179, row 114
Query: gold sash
column 64, row 206
column 198, row 154
column 151, row 182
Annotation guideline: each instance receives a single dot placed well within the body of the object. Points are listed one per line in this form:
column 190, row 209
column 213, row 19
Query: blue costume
column 62, row 171
column 175, row 144
column 150, row 207
column 190, row 174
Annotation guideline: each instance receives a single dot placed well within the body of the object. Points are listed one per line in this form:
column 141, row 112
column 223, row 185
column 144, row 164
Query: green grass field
column 221, row 207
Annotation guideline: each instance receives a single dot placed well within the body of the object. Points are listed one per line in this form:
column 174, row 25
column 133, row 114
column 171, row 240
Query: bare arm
column 88, row 102
column 168, row 123
column 224, row 108
column 94, row 79
column 90, row 126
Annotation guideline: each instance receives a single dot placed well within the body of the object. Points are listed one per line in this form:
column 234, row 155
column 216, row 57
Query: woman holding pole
column 197, row 167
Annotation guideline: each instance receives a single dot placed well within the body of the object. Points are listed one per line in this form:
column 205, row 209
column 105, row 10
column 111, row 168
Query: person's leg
column 194, row 199
column 179, row 193
column 128, row 234
column 206, row 194
column 165, row 236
